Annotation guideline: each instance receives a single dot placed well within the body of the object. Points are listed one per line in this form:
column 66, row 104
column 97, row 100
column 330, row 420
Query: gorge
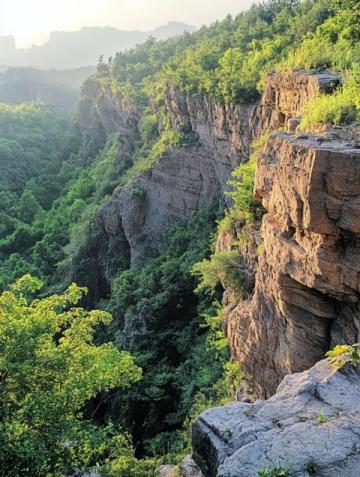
column 207, row 196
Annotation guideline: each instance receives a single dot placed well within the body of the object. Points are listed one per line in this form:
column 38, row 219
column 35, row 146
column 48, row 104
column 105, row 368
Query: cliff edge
column 311, row 426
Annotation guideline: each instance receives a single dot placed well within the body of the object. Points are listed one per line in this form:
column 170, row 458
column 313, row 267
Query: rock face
column 182, row 181
column 286, row 94
column 225, row 131
column 306, row 296
column 310, row 427
column 102, row 113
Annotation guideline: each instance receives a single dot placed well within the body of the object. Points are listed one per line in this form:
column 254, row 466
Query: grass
column 340, row 108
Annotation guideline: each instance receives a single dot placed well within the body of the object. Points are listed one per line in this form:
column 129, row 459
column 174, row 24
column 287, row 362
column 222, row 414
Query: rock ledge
column 312, row 424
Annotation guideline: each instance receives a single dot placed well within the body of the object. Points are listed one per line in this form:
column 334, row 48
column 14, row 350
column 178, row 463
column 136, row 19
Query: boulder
column 310, row 427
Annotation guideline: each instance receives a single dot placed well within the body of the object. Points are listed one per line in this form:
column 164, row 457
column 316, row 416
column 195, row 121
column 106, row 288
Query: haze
column 32, row 21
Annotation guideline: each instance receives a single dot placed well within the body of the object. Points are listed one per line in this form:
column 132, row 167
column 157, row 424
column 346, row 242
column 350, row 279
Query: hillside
column 208, row 198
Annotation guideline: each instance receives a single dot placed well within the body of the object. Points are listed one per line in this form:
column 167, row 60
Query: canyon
column 306, row 280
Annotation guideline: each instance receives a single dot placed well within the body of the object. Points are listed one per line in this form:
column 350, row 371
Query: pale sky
column 30, row 21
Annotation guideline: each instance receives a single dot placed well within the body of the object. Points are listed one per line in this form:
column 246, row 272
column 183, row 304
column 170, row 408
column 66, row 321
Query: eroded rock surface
column 286, row 94
column 180, row 183
column 226, row 131
column 311, row 423
column 306, row 296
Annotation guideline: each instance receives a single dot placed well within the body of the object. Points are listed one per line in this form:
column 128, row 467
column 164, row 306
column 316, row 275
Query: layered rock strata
column 185, row 179
column 307, row 290
column 286, row 94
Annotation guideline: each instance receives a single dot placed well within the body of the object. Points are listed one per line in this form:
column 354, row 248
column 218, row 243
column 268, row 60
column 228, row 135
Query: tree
column 49, row 369
column 352, row 9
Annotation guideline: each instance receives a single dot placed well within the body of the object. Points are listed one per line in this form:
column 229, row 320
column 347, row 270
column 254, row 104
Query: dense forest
column 132, row 410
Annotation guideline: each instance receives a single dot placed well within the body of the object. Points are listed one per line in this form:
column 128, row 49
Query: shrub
column 321, row 417
column 223, row 267
column 275, row 472
column 342, row 107
column 344, row 354
column 245, row 211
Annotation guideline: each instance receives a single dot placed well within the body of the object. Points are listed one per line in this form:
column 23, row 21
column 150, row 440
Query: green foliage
column 327, row 48
column 36, row 147
column 226, row 60
column 352, row 12
column 49, row 369
column 340, row 108
column 123, row 463
column 344, row 354
column 275, row 472
column 156, row 303
column 321, row 418
column 246, row 212
column 32, row 139
column 223, row 267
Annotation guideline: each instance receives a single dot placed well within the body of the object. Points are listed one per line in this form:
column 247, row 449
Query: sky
column 31, row 21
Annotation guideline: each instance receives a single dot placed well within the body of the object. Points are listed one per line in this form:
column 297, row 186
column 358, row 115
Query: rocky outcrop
column 286, row 94
column 307, row 290
column 180, row 183
column 104, row 112
column 310, row 427
column 226, row 131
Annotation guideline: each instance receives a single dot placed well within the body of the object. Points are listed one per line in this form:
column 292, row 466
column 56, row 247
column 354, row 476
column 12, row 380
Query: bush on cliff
column 223, row 267
column 340, row 108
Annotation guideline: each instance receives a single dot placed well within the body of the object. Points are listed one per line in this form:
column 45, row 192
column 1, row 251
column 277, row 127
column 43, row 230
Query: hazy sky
column 31, row 20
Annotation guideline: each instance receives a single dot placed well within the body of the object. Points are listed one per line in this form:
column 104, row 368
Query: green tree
column 352, row 10
column 49, row 369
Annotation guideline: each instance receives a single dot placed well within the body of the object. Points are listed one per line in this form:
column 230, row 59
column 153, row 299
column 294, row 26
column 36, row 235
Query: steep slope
column 306, row 295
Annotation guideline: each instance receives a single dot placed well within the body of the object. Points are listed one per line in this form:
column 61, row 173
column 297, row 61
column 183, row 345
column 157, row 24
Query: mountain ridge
column 86, row 45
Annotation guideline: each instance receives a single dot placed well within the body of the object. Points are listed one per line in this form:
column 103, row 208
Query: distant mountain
column 70, row 50
column 58, row 88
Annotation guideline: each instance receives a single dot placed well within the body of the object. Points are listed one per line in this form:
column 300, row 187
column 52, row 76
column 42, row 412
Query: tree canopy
column 49, row 369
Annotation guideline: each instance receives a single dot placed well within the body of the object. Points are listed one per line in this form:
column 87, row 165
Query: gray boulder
column 310, row 427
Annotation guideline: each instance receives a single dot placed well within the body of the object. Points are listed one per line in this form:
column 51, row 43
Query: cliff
column 306, row 297
column 188, row 178
column 181, row 181
column 306, row 278
column 303, row 288
column 310, row 427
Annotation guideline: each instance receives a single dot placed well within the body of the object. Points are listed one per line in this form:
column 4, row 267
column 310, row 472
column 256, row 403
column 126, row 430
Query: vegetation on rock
column 51, row 189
